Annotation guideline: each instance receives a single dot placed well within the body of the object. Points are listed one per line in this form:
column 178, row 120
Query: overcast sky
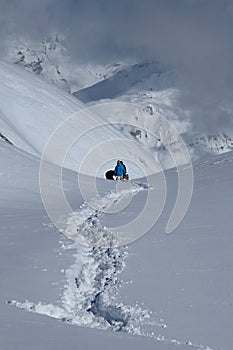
column 194, row 36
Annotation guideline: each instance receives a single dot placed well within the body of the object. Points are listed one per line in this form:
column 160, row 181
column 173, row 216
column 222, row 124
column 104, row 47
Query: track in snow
column 90, row 295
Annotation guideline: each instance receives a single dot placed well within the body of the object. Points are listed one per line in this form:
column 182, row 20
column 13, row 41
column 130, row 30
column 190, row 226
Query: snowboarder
column 120, row 170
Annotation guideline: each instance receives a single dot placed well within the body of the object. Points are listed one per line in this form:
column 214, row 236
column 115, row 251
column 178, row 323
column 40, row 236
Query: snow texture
column 161, row 292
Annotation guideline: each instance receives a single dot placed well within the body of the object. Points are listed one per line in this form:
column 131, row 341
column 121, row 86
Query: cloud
column 193, row 36
column 173, row 30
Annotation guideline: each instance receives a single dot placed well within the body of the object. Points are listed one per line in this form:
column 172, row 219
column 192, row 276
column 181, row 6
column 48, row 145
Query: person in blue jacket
column 119, row 171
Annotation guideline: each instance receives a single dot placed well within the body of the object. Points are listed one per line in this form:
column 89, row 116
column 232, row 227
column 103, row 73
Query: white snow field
column 160, row 292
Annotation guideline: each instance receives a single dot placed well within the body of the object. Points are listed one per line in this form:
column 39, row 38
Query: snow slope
column 40, row 265
column 125, row 80
column 31, row 110
column 161, row 292
column 50, row 59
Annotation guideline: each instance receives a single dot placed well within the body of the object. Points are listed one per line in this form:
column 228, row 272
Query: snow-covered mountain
column 150, row 75
column 147, row 83
column 31, row 109
column 50, row 59
column 146, row 128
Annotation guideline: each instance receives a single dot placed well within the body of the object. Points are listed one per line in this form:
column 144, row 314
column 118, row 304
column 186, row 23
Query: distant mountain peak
column 50, row 59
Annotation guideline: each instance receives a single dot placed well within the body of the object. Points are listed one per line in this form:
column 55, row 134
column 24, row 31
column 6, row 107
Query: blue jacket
column 119, row 169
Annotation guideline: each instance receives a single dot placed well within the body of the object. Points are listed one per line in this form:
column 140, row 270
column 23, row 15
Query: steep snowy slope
column 50, row 59
column 127, row 79
column 31, row 110
column 183, row 280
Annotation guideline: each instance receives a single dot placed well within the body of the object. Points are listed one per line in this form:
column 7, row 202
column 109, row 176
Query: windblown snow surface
column 160, row 292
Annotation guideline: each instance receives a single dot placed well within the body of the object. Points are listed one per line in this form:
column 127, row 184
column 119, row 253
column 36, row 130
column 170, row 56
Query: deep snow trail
column 90, row 294
column 93, row 279
column 85, row 225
